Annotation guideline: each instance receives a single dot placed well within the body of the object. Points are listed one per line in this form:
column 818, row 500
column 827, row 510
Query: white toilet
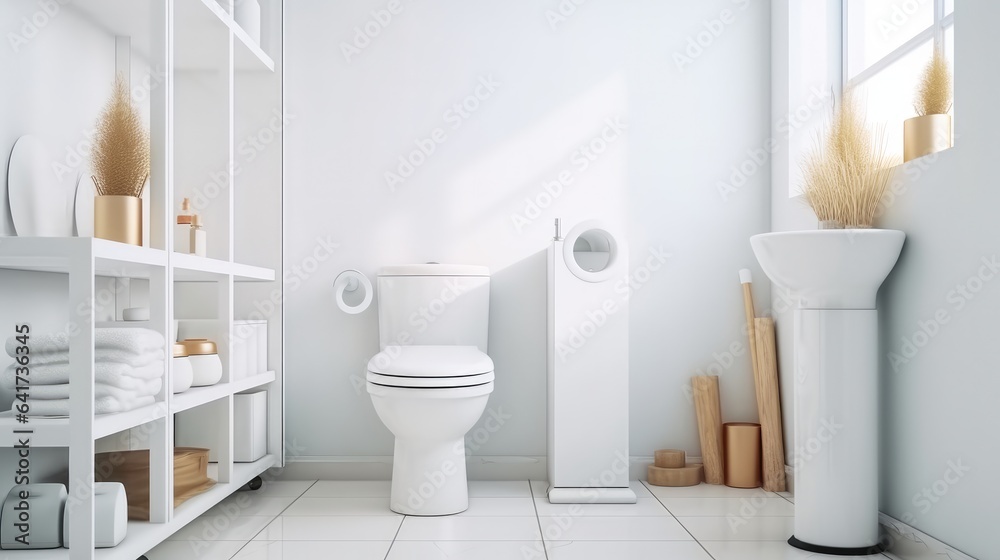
column 431, row 380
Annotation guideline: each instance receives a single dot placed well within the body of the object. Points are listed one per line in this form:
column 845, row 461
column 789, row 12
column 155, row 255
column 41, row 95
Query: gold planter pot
column 926, row 135
column 742, row 452
column 118, row 218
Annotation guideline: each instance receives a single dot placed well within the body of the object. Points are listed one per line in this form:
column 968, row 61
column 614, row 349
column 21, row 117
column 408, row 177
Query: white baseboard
column 379, row 467
column 906, row 542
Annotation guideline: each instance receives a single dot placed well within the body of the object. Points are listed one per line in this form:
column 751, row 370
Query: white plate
column 6, row 222
column 38, row 204
column 85, row 192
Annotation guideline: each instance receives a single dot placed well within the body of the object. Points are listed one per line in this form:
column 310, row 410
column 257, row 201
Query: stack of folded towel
column 128, row 371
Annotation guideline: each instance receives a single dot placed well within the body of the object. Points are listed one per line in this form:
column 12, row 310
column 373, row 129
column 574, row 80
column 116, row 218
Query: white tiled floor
column 505, row 521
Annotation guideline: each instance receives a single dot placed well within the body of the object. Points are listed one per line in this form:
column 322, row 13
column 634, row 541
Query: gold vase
column 118, row 218
column 926, row 135
column 742, row 452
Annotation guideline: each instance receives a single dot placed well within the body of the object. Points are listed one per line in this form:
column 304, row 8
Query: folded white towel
column 135, row 340
column 52, row 392
column 103, row 405
column 118, row 375
column 102, row 355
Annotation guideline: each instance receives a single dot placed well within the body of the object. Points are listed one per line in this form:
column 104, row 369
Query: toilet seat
column 430, row 367
column 430, row 382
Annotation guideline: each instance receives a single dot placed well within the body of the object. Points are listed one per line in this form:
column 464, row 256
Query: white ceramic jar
column 205, row 362
column 183, row 374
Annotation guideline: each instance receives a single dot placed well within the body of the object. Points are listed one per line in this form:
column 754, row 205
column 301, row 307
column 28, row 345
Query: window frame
column 936, row 32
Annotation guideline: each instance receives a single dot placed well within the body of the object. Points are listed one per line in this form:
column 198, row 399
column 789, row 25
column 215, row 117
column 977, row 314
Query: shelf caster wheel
column 256, row 483
column 143, row 557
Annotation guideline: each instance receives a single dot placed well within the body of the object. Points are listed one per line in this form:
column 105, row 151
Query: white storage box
column 249, row 426
column 249, row 348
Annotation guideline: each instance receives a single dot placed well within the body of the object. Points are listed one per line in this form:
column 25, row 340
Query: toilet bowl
column 429, row 397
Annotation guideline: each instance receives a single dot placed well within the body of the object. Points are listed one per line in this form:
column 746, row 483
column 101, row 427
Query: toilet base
column 429, row 478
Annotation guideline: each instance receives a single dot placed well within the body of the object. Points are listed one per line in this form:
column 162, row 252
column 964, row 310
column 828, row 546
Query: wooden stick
column 709, row 413
column 769, row 406
column 746, row 279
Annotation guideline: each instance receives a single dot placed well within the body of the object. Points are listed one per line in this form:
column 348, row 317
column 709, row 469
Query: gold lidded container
column 198, row 347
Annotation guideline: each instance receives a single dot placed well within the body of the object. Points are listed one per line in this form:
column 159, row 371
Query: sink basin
column 829, row 269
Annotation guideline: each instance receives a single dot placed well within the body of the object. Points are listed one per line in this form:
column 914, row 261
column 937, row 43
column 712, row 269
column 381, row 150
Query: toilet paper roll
column 349, row 282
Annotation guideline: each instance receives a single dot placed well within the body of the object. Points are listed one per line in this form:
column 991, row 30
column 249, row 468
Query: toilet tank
column 433, row 304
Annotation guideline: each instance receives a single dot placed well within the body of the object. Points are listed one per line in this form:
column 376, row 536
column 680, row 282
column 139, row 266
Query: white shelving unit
column 208, row 83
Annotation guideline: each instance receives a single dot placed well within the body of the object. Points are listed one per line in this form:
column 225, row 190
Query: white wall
column 687, row 128
column 938, row 409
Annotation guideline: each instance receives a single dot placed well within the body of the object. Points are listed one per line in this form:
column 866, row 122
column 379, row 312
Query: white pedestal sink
column 834, row 276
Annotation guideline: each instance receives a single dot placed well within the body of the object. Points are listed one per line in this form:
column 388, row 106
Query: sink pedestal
column 834, row 276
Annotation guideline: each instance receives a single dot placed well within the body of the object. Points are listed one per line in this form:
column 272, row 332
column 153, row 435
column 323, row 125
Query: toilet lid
column 431, row 361
column 430, row 382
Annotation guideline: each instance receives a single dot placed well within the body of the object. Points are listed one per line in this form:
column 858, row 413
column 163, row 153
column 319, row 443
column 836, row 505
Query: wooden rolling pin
column 769, row 406
column 709, row 413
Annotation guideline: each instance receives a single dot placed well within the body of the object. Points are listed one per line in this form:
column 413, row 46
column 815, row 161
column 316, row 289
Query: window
column 886, row 45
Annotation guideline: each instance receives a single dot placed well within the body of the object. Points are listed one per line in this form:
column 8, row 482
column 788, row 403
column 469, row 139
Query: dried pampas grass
column 848, row 170
column 120, row 155
column 934, row 92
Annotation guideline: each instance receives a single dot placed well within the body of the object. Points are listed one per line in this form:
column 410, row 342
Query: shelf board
column 251, row 273
column 197, row 396
column 142, row 535
column 192, row 268
column 52, row 254
column 54, row 432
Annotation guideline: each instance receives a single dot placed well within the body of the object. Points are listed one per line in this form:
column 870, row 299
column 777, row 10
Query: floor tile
column 765, row 550
column 642, row 507
column 339, row 506
column 349, row 489
column 331, row 528
column 499, row 489
column 612, row 529
column 734, row 528
column 244, row 503
column 190, row 550
column 722, row 507
column 222, row 528
column 539, row 488
column 299, row 550
column 625, row 550
column 465, row 550
column 708, row 491
column 500, row 507
column 293, row 488
column 640, row 489
column 452, row 528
